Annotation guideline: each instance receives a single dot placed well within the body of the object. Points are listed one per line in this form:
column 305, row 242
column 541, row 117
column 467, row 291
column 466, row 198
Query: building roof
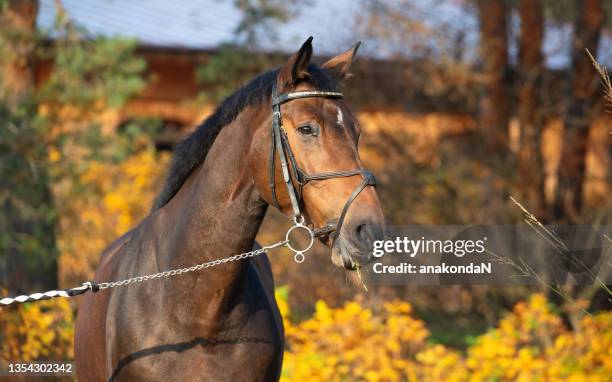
column 335, row 25
column 204, row 24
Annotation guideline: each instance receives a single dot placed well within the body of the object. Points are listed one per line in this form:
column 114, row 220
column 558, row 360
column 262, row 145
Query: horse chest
column 243, row 343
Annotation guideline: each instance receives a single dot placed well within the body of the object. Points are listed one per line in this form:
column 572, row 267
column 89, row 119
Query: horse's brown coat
column 220, row 324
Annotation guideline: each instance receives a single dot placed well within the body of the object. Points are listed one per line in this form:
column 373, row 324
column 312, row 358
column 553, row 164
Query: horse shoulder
column 263, row 268
column 90, row 333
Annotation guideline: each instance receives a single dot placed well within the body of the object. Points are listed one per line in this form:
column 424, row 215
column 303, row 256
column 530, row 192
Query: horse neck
column 217, row 212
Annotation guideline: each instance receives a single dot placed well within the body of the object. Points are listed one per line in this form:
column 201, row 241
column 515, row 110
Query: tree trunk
column 28, row 251
column 494, row 104
column 579, row 114
column 18, row 21
column 530, row 167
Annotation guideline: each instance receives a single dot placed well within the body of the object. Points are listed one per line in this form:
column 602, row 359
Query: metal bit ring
column 299, row 252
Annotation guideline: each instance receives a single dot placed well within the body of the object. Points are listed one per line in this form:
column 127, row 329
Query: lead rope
column 95, row 287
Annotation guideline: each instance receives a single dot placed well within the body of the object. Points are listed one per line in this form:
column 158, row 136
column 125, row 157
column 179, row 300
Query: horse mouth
column 347, row 256
column 342, row 259
column 352, row 263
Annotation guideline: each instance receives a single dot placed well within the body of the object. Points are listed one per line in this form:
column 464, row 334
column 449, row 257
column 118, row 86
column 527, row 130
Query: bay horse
column 223, row 324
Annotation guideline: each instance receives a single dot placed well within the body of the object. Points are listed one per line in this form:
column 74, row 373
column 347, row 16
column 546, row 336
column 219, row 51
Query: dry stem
column 605, row 78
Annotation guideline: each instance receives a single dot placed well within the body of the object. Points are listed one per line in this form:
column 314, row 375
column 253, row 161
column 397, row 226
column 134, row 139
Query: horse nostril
column 365, row 233
column 359, row 228
column 362, row 232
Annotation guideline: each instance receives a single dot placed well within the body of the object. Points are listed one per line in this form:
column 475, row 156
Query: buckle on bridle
column 369, row 177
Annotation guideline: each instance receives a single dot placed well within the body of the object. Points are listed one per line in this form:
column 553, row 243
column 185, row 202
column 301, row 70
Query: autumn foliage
column 103, row 175
column 356, row 343
column 121, row 194
column 386, row 343
column 40, row 331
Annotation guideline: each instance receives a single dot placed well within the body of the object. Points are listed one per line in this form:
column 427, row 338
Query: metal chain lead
column 90, row 285
column 197, row 267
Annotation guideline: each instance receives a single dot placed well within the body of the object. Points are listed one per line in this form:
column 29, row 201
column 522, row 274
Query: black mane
column 192, row 151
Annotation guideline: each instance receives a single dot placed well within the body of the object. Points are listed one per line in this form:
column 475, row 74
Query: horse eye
column 306, row 130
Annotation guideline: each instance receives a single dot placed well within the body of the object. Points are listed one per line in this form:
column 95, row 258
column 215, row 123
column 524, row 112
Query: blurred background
column 463, row 103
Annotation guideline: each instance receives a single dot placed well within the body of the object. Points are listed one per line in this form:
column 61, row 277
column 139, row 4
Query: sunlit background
column 463, row 103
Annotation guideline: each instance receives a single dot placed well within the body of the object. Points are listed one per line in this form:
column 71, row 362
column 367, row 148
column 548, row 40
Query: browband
column 278, row 100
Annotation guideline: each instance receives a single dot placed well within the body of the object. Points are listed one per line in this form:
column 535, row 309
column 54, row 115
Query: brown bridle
column 293, row 173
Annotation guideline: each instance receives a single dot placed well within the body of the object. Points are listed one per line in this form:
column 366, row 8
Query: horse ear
column 296, row 68
column 341, row 64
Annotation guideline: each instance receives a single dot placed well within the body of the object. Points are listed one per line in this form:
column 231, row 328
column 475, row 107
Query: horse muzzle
column 353, row 246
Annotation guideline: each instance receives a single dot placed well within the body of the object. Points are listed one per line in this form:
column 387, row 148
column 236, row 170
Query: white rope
column 34, row 296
